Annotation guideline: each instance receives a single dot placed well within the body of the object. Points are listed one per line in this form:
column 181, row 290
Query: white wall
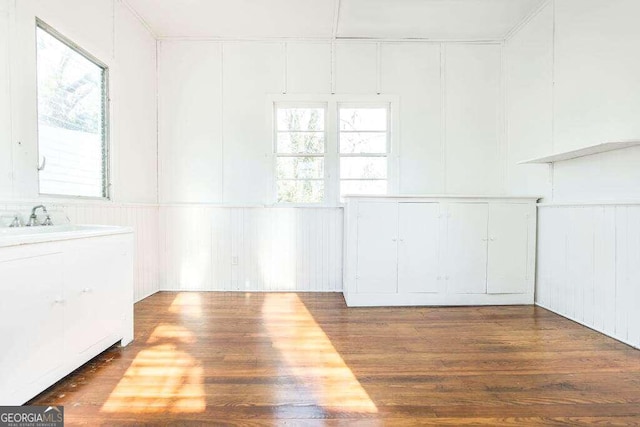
column 215, row 146
column 573, row 81
column 529, row 60
column 109, row 31
column 589, row 267
column 215, row 149
column 251, row 249
column 5, row 102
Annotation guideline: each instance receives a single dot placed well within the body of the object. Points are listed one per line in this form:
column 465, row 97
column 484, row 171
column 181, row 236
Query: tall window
column 364, row 147
column 300, row 154
column 72, row 118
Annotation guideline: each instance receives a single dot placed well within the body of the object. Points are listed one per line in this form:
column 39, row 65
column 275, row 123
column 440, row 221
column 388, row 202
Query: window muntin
column 300, row 148
column 363, row 142
column 72, row 118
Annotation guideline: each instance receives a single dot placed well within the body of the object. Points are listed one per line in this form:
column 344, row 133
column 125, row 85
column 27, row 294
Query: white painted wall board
column 529, row 69
column 251, row 71
column 308, row 68
column 588, row 266
column 6, row 141
column 412, row 71
column 472, row 118
column 134, row 94
column 251, row 249
column 596, row 76
column 190, row 130
column 612, row 176
column 356, row 68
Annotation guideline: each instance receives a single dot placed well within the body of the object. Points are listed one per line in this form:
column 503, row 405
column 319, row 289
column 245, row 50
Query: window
column 72, row 118
column 300, row 154
column 364, row 147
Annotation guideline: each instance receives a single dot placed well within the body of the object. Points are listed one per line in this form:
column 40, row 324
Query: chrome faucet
column 33, row 219
column 16, row 222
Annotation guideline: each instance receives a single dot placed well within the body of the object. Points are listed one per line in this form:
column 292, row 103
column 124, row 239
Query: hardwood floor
column 306, row 359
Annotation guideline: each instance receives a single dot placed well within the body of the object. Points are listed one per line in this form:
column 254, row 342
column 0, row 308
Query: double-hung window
column 363, row 143
column 72, row 118
column 300, row 146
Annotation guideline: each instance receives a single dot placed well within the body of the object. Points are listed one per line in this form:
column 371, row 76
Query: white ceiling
column 395, row 19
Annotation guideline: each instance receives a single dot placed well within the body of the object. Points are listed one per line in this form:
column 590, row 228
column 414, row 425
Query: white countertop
column 41, row 234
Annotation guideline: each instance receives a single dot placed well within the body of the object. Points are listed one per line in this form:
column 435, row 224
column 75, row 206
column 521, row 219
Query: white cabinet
column 397, row 247
column 61, row 304
column 441, row 250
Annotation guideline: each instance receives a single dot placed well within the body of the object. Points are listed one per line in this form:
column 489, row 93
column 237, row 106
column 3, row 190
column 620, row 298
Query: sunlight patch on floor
column 308, row 353
column 162, row 378
column 187, row 303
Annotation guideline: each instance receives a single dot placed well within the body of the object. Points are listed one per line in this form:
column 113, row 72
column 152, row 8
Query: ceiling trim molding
column 528, row 18
column 330, row 40
column 140, row 19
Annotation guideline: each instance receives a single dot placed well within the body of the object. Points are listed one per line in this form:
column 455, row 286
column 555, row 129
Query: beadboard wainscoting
column 589, row 266
column 208, row 247
column 142, row 217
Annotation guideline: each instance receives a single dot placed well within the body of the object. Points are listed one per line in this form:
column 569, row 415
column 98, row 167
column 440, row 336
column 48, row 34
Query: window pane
column 363, row 119
column 363, row 167
column 363, row 187
column 357, row 142
column 300, row 119
column 300, row 142
column 70, row 120
column 300, row 167
column 300, row 191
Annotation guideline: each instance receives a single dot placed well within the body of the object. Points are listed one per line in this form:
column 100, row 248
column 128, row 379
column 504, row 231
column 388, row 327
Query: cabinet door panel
column 467, row 248
column 377, row 270
column 32, row 305
column 508, row 248
column 92, row 292
column 418, row 247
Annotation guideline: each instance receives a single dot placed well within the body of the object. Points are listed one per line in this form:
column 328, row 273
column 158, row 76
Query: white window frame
column 386, row 155
column 332, row 128
column 276, row 155
column 106, row 143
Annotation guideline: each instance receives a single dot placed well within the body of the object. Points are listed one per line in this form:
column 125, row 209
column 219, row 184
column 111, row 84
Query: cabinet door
column 377, row 270
column 418, row 247
column 466, row 271
column 92, row 292
column 31, row 321
column 508, row 248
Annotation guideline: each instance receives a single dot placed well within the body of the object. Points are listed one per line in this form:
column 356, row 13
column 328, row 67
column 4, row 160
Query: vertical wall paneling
column 251, row 249
column 412, row 71
column 472, row 118
column 5, row 105
column 589, row 266
column 356, row 68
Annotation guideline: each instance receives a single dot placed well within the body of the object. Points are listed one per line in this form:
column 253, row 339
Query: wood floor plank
column 260, row 359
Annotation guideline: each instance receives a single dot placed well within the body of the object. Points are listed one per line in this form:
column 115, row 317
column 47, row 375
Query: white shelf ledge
column 581, row 152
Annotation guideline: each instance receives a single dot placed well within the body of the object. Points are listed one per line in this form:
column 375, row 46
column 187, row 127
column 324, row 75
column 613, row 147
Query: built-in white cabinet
column 61, row 304
column 442, row 250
